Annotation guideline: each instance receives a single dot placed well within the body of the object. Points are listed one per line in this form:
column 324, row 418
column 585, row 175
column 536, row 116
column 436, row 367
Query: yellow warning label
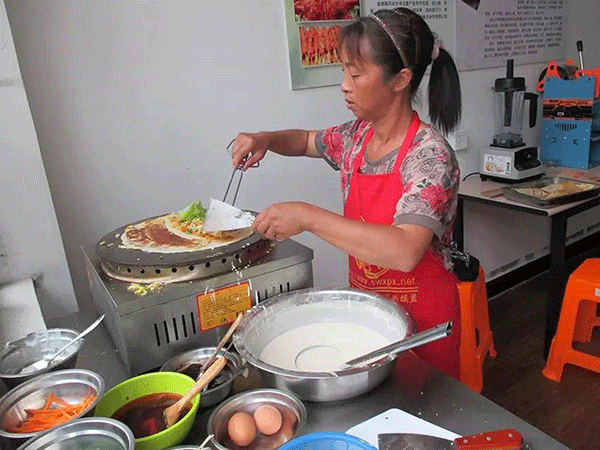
column 221, row 306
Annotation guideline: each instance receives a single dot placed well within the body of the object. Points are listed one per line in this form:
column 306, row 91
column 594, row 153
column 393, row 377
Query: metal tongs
column 238, row 167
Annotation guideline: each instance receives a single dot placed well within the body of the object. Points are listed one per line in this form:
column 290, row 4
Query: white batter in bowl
column 301, row 340
column 322, row 346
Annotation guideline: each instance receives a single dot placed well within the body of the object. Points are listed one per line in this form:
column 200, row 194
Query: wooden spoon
column 172, row 413
column 221, row 344
column 217, row 349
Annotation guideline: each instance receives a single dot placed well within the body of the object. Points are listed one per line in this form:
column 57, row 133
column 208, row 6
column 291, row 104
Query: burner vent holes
column 180, row 327
column 139, row 270
column 283, row 288
column 222, row 264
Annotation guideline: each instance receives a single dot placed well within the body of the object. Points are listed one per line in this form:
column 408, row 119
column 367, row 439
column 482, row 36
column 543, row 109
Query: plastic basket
column 327, row 441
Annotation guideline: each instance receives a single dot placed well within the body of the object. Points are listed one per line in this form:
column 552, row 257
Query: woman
column 399, row 175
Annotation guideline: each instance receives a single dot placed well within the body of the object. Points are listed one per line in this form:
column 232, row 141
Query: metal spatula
column 221, row 216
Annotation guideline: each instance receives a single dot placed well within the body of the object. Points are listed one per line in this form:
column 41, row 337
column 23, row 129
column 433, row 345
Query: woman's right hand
column 249, row 148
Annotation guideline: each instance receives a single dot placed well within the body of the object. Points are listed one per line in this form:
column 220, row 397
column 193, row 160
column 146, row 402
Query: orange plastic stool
column 577, row 321
column 476, row 339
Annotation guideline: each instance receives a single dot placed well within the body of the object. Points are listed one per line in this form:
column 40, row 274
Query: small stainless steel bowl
column 291, row 408
column 90, row 432
column 189, row 359
column 72, row 385
column 284, row 312
column 23, row 352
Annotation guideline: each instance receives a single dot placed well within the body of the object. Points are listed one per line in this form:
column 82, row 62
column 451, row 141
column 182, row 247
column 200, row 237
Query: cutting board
column 397, row 421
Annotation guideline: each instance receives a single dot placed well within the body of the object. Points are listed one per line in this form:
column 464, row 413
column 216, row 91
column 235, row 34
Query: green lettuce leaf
column 194, row 211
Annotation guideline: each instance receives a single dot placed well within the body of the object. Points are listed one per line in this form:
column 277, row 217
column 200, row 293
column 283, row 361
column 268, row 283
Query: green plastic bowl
column 152, row 383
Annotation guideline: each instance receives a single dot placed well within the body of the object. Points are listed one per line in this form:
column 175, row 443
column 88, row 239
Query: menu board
column 488, row 32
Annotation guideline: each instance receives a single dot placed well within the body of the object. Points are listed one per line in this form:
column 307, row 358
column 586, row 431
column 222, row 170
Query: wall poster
column 478, row 33
column 313, row 28
column 488, row 32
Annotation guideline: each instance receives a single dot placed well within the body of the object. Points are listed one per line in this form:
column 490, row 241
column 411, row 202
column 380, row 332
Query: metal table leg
column 458, row 232
column 558, row 277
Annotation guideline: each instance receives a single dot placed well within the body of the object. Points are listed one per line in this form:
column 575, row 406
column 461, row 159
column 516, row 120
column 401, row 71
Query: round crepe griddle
column 110, row 248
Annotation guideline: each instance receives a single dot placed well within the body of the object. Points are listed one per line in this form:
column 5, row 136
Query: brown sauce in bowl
column 193, row 370
column 145, row 415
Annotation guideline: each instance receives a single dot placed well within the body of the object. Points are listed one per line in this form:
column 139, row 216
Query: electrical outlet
column 461, row 141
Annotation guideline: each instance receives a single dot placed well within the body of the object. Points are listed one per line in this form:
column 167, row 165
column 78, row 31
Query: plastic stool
column 586, row 321
column 476, row 339
column 577, row 321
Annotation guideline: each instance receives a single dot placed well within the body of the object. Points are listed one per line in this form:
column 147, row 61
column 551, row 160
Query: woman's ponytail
column 444, row 93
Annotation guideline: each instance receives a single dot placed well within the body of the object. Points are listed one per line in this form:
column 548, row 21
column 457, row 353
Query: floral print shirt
column 430, row 177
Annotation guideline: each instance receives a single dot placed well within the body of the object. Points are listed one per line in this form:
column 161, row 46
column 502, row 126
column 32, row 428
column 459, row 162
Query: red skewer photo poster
column 319, row 45
column 326, row 10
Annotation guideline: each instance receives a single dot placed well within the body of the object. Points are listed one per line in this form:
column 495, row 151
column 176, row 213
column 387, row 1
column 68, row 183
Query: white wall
column 135, row 101
column 509, row 239
column 30, row 241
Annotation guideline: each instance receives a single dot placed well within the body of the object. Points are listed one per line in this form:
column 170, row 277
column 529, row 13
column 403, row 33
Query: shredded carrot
column 48, row 401
column 54, row 412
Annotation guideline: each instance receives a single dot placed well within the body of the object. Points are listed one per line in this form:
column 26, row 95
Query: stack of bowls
column 18, row 357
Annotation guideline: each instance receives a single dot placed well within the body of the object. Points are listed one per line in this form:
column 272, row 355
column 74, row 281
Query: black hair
column 400, row 38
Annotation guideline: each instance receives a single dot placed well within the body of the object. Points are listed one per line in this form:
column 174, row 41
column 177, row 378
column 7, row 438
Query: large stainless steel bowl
column 284, row 312
column 72, row 385
column 91, row 433
column 223, row 383
column 22, row 353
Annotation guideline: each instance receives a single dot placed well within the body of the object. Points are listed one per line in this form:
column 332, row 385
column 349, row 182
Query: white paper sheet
column 397, row 421
column 223, row 217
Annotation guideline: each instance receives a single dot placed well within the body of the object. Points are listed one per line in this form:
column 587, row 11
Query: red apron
column 429, row 292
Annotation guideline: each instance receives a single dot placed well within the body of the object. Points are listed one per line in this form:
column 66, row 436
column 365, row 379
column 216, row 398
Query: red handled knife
column 508, row 439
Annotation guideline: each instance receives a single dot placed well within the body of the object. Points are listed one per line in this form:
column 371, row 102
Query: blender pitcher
column 509, row 99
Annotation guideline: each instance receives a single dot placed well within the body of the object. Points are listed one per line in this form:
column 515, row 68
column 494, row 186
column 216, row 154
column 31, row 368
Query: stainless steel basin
column 282, row 313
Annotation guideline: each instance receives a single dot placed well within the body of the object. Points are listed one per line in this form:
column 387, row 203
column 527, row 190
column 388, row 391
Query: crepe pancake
column 555, row 190
column 193, row 230
column 153, row 236
column 165, row 235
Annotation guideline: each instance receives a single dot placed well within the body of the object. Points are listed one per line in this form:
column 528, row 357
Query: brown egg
column 268, row 419
column 241, row 429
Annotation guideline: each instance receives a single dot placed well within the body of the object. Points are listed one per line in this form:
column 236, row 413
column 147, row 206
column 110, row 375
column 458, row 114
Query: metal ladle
column 393, row 349
column 42, row 364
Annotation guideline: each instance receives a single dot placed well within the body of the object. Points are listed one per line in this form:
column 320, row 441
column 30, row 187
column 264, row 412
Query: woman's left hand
column 281, row 220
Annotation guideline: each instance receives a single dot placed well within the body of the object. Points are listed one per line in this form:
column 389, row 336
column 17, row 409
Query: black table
column 471, row 191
